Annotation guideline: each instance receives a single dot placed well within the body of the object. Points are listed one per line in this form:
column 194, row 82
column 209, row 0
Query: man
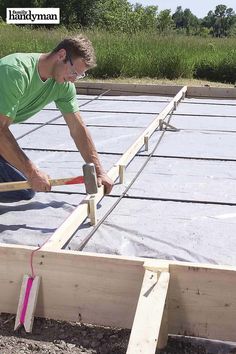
column 29, row 81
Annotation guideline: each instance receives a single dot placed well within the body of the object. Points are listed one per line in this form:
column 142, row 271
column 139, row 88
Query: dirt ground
column 54, row 337
column 147, row 80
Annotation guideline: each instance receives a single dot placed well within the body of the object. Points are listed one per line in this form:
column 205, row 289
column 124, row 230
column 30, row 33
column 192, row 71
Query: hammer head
column 90, row 178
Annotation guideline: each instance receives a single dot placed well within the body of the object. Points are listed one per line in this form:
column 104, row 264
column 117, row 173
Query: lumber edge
column 115, row 89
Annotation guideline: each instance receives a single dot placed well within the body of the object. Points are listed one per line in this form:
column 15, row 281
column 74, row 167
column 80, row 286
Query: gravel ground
column 54, row 337
column 188, row 345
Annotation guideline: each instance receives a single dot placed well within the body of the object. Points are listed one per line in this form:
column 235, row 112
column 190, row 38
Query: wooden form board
column 202, row 302
column 104, row 290
column 97, row 289
column 63, row 234
column 94, row 88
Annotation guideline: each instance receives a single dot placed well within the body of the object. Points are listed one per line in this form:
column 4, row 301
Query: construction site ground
column 182, row 206
column 55, row 337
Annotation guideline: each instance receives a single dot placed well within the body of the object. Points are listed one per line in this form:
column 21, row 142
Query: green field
column 139, row 55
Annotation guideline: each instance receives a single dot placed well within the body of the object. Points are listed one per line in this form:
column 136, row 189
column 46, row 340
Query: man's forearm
column 12, row 153
column 85, row 145
column 84, row 142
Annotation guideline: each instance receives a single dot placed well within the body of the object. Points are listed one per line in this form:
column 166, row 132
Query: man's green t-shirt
column 23, row 93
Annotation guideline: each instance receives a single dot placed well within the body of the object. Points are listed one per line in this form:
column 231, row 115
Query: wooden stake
column 146, row 331
column 27, row 303
column 146, row 141
column 161, row 124
column 92, row 210
column 122, row 173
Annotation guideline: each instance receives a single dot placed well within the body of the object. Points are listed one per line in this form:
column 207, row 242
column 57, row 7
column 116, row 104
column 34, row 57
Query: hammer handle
column 13, row 186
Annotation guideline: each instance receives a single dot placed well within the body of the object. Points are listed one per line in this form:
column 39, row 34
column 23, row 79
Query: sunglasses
column 74, row 73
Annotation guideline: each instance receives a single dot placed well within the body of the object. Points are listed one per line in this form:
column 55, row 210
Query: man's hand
column 106, row 181
column 39, row 181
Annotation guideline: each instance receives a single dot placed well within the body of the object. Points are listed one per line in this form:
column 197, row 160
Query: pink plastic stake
column 76, row 180
column 26, row 299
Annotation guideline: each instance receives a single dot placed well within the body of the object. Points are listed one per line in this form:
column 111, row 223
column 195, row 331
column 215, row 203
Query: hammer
column 89, row 179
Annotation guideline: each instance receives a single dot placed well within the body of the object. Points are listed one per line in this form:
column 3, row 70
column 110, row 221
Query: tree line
column 120, row 15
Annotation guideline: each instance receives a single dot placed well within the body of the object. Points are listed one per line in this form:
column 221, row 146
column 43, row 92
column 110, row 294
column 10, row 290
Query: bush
column 227, row 69
column 141, row 54
column 222, row 69
column 174, row 65
column 206, row 70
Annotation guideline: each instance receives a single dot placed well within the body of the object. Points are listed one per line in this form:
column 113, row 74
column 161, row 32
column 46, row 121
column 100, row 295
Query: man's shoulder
column 67, row 88
column 18, row 70
column 20, row 61
column 13, row 57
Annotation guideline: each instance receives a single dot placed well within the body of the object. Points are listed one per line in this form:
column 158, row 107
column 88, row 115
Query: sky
column 199, row 8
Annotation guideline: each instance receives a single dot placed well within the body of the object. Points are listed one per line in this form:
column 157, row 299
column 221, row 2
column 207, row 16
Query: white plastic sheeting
column 182, row 206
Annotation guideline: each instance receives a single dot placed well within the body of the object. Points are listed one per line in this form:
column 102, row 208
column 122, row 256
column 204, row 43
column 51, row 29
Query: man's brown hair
column 78, row 47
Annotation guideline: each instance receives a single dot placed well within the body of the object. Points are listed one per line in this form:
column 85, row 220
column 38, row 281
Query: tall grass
column 138, row 55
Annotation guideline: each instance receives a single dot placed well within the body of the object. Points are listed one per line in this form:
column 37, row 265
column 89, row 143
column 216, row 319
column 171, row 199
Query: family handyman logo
column 33, row 15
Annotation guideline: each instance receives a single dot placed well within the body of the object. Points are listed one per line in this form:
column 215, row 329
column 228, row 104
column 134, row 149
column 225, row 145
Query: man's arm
column 83, row 140
column 12, row 153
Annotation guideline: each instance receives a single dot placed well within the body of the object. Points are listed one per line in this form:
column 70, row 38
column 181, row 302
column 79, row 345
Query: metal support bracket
column 166, row 126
